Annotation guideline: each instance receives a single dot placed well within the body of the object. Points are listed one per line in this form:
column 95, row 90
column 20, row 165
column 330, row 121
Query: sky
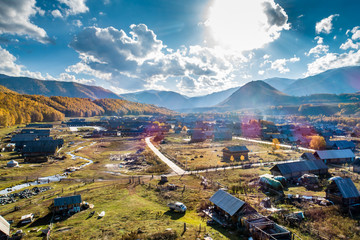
column 193, row 47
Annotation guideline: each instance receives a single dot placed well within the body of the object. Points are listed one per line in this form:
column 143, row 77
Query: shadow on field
column 45, row 220
column 174, row 215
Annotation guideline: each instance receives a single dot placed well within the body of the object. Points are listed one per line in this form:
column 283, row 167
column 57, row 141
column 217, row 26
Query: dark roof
column 308, row 156
column 300, row 166
column 236, row 149
column 227, row 202
column 23, row 137
column 335, row 154
column 346, row 186
column 42, row 146
column 342, row 144
column 62, row 201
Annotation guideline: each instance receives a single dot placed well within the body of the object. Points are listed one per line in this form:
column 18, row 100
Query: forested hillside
column 20, row 109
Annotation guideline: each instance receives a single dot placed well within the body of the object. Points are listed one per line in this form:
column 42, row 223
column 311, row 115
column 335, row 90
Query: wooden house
column 229, row 206
column 308, row 156
column 236, row 152
column 4, row 229
column 69, row 204
column 340, row 144
column 356, row 165
column 335, row 156
column 296, row 169
column 342, row 191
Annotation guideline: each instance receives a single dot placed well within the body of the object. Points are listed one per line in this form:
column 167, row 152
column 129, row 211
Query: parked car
column 177, row 206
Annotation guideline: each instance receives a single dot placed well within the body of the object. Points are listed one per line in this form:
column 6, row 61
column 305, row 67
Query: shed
column 335, row 156
column 341, row 144
column 298, row 168
column 342, row 191
column 4, row 228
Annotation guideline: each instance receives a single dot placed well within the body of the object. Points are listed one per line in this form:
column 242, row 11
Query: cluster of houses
column 36, row 145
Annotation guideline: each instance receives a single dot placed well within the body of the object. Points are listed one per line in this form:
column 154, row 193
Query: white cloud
column 261, row 72
column 56, row 13
column 139, row 59
column 333, row 60
column 325, row 25
column 75, row 6
column 349, row 44
column 356, row 33
column 280, row 64
column 15, row 19
column 319, row 49
column 7, row 63
column 77, row 23
column 246, row 25
column 266, row 56
column 319, row 40
column 71, row 78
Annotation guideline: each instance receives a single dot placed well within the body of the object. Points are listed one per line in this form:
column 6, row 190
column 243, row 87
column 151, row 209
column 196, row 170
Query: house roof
column 342, row 144
column 335, row 154
column 62, row 201
column 236, row 149
column 346, row 186
column 300, row 166
column 4, row 226
column 227, row 202
column 23, row 137
column 308, row 156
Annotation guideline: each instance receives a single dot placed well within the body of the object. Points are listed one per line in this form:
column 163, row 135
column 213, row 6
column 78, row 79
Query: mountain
column 168, row 99
column 25, row 85
column 279, row 83
column 211, row 99
column 334, row 81
column 18, row 108
column 173, row 100
column 256, row 94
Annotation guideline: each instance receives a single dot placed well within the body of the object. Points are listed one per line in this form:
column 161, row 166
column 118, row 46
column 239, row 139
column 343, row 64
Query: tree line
column 22, row 109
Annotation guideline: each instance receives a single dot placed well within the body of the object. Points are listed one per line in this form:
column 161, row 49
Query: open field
column 209, row 154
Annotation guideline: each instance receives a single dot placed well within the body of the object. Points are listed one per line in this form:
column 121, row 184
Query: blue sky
column 190, row 46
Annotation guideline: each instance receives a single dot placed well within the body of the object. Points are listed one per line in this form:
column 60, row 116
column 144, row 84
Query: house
column 308, row 156
column 38, row 151
column 12, row 163
column 4, row 228
column 342, row 191
column 335, row 156
column 296, row 169
column 38, row 132
column 69, row 204
column 222, row 136
column 236, row 152
column 340, row 144
column 39, row 125
column 198, row 135
column 229, row 206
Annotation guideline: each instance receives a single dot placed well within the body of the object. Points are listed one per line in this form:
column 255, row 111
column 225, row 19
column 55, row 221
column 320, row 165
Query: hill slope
column 279, row 83
column 25, row 85
column 334, row 81
column 256, row 94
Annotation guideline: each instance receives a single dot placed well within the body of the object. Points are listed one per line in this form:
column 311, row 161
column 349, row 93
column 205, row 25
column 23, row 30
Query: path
column 270, row 143
column 167, row 161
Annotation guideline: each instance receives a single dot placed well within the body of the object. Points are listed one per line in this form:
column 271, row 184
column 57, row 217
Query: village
column 180, row 177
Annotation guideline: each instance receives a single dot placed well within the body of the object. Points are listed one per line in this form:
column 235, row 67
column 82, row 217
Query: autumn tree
column 317, row 143
column 276, row 144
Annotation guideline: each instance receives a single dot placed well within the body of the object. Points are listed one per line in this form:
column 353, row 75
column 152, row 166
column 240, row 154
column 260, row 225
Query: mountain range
column 271, row 91
column 25, row 85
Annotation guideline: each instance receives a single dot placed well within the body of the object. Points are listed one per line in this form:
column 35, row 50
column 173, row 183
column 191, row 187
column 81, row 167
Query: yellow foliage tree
column 242, row 158
column 232, row 158
column 317, row 143
column 276, row 144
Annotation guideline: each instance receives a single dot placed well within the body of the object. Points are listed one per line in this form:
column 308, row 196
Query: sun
column 241, row 24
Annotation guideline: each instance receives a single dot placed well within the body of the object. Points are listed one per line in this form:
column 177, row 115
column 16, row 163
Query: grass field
column 209, row 154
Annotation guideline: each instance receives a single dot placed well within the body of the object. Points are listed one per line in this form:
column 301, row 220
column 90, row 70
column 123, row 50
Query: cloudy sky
column 190, row 46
